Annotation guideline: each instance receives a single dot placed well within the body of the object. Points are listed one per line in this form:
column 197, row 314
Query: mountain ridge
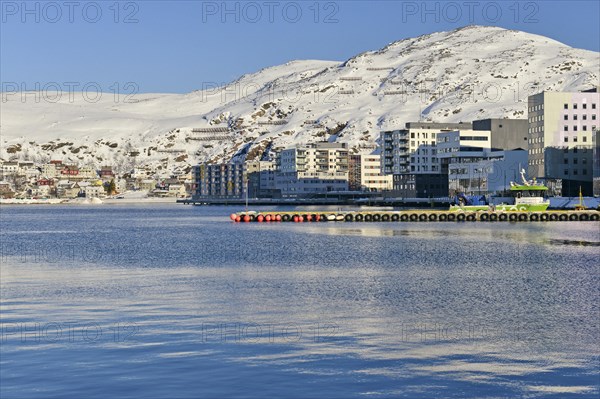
column 469, row 73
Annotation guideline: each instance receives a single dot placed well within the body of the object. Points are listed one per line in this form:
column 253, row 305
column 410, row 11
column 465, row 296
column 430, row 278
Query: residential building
column 506, row 134
column 94, row 191
column 261, row 179
column 66, row 189
column 311, row 169
column 473, row 166
column 69, row 171
column 219, row 181
column 10, row 169
column 561, row 131
column 28, row 170
column 49, row 171
column 88, row 173
column 364, row 174
column 412, row 151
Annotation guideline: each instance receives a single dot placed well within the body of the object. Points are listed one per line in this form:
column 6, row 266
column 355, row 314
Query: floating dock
column 415, row 216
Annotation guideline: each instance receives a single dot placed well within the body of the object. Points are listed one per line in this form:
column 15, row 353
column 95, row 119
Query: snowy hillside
column 469, row 73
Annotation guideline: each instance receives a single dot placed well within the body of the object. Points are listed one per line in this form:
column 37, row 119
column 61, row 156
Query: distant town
column 558, row 144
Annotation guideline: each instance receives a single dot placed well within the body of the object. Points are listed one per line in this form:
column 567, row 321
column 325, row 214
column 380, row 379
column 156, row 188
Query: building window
column 575, row 139
column 566, row 172
column 575, row 172
column 566, row 139
column 584, row 137
column 566, row 161
column 566, row 128
column 574, row 128
column 584, row 172
column 594, row 117
column 584, row 117
column 584, row 127
column 593, row 105
column 566, row 117
column 584, row 105
column 574, row 106
column 566, row 106
column 574, row 117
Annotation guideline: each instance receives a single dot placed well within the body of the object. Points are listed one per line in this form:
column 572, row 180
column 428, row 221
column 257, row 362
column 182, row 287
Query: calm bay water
column 169, row 301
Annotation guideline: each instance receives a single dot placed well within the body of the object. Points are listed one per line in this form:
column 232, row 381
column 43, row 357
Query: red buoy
column 260, row 218
column 317, row 218
column 268, row 218
column 300, row 219
column 295, row 219
column 308, row 218
column 278, row 218
column 238, row 219
column 233, row 216
column 246, row 218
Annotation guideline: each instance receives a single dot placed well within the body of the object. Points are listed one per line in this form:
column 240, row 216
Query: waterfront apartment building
column 474, row 166
column 261, row 179
column 364, row 174
column 562, row 126
column 411, row 150
column 314, row 168
column 410, row 155
column 219, row 181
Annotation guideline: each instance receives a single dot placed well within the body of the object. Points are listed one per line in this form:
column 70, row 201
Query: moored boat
column 526, row 197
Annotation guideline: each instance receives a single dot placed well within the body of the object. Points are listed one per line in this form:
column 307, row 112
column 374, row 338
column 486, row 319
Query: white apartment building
column 467, row 158
column 49, row 171
column 413, row 150
column 315, row 168
column 261, row 178
column 10, row 168
column 560, row 145
column 474, row 166
column 365, row 174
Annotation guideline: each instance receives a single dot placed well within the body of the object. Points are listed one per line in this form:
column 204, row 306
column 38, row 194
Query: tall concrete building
column 364, row 174
column 315, row 168
column 261, row 179
column 219, row 181
column 474, row 166
column 410, row 150
column 506, row 134
column 560, row 145
column 410, row 155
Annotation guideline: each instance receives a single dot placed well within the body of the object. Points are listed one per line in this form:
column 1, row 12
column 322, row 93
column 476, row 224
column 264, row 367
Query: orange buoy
column 268, row 218
column 278, row 218
column 233, row 216
column 300, row 219
column 295, row 219
column 246, row 218
column 260, row 218
column 308, row 218
column 238, row 219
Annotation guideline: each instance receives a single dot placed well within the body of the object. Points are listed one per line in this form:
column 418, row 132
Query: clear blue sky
column 176, row 46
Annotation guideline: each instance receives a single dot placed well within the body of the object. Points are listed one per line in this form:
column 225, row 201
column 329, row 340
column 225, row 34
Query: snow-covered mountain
column 469, row 73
